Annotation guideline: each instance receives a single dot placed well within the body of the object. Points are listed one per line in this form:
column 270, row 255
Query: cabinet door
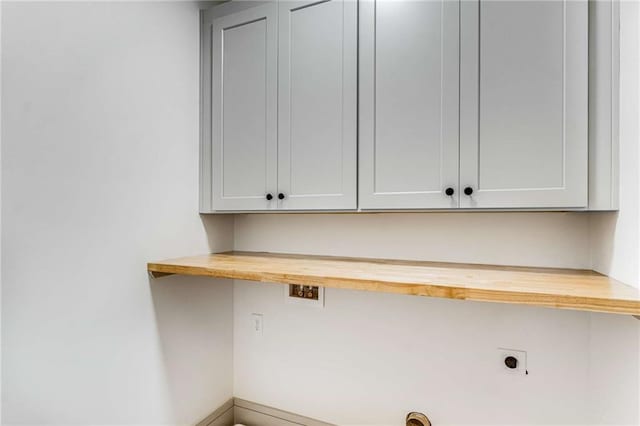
column 317, row 145
column 524, row 104
column 244, row 108
column 409, row 68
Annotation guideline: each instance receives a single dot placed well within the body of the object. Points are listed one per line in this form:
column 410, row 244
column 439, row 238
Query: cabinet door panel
column 317, row 104
column 408, row 104
column 244, row 108
column 524, row 104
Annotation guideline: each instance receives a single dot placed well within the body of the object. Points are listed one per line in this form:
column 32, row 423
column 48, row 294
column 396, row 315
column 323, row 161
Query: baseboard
column 252, row 414
column 222, row 416
column 249, row 413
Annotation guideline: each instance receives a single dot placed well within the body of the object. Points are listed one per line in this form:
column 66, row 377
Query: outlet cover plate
column 257, row 324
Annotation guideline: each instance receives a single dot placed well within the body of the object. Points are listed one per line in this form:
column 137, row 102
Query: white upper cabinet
column 244, row 108
column 524, row 104
column 317, row 123
column 409, row 105
column 282, row 111
column 409, row 63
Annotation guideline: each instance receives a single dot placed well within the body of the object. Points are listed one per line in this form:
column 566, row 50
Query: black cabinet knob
column 449, row 192
column 281, row 196
column 468, row 190
column 269, row 197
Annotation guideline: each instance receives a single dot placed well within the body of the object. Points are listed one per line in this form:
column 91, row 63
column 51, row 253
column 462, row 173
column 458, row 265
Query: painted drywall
column 0, row 218
column 369, row 358
column 614, row 365
column 531, row 239
column 99, row 147
column 99, row 176
column 614, row 370
column 615, row 237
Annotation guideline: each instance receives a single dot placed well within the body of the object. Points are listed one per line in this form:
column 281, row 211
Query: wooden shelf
column 558, row 288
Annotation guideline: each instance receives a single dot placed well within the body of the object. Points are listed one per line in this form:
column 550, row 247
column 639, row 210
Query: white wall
column 614, row 369
column 614, row 372
column 368, row 358
column 0, row 213
column 99, row 176
column 99, row 147
column 531, row 239
column 615, row 237
column 371, row 358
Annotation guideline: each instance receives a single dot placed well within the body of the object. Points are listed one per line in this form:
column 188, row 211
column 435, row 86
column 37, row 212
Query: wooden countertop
column 558, row 288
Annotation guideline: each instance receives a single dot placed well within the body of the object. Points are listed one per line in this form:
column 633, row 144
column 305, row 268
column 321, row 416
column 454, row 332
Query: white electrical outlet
column 513, row 361
column 257, row 324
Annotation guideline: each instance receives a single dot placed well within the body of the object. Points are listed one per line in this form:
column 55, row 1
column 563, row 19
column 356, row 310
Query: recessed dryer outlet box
column 299, row 294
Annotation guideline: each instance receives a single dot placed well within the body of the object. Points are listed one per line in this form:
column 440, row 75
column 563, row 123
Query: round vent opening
column 417, row 419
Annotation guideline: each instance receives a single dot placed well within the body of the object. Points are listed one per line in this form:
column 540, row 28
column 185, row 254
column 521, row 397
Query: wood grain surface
column 558, row 288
